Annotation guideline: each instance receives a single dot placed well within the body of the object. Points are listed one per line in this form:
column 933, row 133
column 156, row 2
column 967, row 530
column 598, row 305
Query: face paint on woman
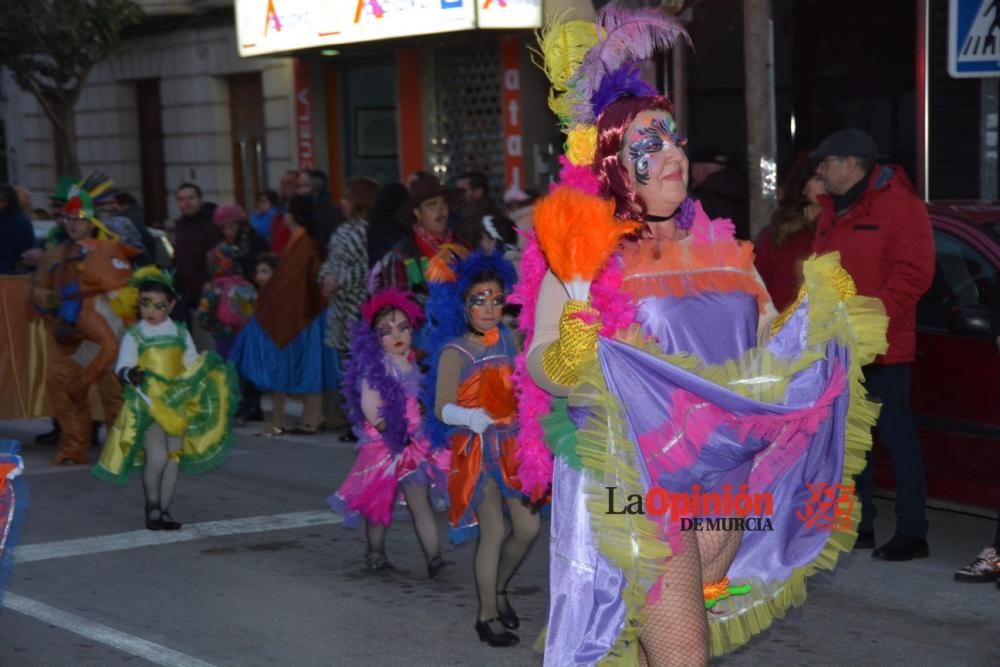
column 660, row 134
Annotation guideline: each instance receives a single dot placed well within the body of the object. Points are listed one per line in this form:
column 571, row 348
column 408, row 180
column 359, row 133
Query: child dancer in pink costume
column 394, row 458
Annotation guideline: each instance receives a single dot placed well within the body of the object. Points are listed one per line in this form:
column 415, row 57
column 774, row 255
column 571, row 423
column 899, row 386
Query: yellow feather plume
column 563, row 46
column 125, row 303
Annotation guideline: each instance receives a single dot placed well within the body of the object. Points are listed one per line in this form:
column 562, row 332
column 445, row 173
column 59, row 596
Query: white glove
column 474, row 419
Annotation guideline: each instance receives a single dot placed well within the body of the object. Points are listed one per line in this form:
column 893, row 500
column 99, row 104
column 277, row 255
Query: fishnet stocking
column 423, row 519
column 717, row 550
column 676, row 628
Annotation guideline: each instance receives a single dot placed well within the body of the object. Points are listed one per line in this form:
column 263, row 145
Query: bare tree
column 51, row 45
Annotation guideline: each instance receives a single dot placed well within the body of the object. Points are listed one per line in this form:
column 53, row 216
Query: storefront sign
column 509, row 13
column 303, row 116
column 513, row 133
column 274, row 26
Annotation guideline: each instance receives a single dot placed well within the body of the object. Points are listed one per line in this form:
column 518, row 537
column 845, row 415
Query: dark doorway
column 854, row 65
column 246, row 116
column 151, row 162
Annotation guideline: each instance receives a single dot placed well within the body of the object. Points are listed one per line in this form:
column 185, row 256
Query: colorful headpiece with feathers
column 591, row 65
column 392, row 298
column 152, row 274
column 81, row 199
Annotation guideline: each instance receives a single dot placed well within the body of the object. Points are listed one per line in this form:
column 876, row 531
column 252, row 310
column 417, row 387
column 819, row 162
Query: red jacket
column 885, row 243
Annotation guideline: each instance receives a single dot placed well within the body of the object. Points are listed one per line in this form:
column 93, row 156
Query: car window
column 963, row 276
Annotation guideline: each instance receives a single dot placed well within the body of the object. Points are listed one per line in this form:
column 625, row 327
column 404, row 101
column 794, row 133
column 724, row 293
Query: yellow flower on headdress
column 581, row 143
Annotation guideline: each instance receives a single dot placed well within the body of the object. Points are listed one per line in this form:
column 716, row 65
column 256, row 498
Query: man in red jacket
column 873, row 217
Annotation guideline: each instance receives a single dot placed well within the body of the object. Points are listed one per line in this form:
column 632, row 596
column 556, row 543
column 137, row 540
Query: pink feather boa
column 534, row 403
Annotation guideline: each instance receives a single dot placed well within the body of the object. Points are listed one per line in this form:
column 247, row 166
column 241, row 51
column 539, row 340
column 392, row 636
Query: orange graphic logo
column 377, row 10
column 829, row 507
column 272, row 18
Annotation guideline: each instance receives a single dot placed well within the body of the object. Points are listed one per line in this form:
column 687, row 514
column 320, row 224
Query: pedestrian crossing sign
column 974, row 38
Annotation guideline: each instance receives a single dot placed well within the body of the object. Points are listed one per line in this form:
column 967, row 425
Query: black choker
column 659, row 218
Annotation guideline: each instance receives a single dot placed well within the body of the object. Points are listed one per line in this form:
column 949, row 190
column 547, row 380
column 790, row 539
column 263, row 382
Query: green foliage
column 54, row 43
column 50, row 45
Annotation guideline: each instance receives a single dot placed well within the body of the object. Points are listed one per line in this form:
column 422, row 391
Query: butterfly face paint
column 660, row 134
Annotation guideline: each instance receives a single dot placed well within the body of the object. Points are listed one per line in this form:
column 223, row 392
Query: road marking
column 31, row 553
column 155, row 653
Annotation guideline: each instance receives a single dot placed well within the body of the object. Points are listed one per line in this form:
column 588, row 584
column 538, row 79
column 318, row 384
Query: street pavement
column 263, row 574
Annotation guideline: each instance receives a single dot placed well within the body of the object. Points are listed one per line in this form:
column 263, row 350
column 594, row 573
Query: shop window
column 468, row 135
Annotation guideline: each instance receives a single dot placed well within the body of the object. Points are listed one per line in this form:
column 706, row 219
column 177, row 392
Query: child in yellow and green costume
column 179, row 405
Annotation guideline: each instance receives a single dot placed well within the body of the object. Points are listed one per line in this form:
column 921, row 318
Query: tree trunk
column 61, row 112
column 761, row 158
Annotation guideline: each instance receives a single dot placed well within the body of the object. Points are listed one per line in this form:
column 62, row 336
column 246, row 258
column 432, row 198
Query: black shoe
column 486, row 634
column 168, row 522
column 435, row 565
column 376, row 561
column 348, row 437
column 509, row 617
column 154, row 517
column 902, row 547
column 866, row 540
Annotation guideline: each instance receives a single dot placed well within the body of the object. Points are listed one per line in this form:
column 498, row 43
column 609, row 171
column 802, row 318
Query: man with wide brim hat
column 426, row 214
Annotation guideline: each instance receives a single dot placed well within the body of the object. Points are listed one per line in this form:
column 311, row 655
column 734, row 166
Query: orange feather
column 578, row 232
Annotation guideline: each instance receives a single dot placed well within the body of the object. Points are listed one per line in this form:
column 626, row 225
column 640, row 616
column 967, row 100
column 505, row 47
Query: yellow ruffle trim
column 634, row 544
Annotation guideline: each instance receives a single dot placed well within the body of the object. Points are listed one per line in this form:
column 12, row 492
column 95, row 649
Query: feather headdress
column 589, row 66
column 392, row 298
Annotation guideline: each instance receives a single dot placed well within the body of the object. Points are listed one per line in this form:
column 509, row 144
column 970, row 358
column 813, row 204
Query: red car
column 956, row 376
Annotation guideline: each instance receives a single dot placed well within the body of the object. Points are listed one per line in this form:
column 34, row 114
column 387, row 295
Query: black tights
column 497, row 558
column 423, row 523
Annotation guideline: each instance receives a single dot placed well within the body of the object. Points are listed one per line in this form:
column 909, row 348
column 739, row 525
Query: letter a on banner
column 303, row 116
column 513, row 158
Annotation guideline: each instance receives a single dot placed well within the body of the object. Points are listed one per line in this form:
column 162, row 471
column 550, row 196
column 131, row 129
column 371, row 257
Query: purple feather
column 630, row 36
column 621, row 82
column 367, row 362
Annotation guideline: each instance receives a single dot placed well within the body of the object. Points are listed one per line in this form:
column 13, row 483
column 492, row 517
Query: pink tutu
column 372, row 486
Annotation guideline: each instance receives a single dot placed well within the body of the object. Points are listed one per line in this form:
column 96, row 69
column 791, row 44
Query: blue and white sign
column 974, row 38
